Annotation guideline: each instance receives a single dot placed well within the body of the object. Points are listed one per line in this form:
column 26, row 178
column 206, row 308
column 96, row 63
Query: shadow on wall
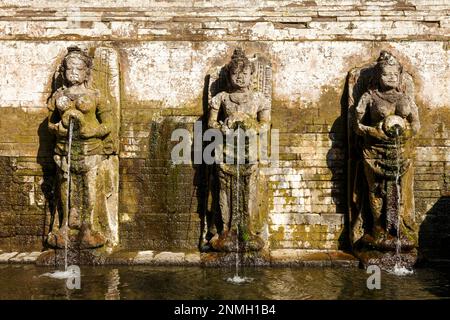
column 48, row 188
column 206, row 185
column 434, row 232
column 47, row 143
column 168, row 192
column 337, row 158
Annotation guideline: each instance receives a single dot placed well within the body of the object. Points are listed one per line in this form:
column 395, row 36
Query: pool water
column 148, row 282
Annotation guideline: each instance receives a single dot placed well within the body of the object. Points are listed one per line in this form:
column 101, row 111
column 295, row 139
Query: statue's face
column 241, row 78
column 390, row 77
column 76, row 71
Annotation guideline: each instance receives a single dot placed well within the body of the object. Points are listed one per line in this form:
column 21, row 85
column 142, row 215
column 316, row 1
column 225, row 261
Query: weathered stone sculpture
column 382, row 119
column 240, row 104
column 85, row 99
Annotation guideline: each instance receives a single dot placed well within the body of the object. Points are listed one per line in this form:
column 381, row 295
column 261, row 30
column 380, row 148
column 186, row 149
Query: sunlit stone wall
column 166, row 49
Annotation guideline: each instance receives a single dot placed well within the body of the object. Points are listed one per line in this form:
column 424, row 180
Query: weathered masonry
column 165, row 50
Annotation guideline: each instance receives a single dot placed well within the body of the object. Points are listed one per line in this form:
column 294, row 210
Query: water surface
column 146, row 282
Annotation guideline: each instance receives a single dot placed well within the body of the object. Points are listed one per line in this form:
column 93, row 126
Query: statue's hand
column 228, row 124
column 60, row 130
column 251, row 123
column 72, row 114
column 263, row 126
column 242, row 117
column 88, row 132
column 224, row 126
column 377, row 132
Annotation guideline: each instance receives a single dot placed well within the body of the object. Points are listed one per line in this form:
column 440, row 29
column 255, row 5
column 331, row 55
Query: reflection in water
column 113, row 281
column 148, row 282
column 282, row 285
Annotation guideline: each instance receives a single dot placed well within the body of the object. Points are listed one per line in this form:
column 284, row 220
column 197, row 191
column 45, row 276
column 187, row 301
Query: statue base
column 387, row 260
column 228, row 259
column 387, row 243
column 229, row 242
column 75, row 256
column 84, row 238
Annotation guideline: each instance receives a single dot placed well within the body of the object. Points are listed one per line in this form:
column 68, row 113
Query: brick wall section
column 160, row 203
column 26, row 179
column 309, row 192
column 23, row 221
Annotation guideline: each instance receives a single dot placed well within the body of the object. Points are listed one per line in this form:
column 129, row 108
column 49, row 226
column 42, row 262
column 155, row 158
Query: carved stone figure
column 86, row 98
column 240, row 104
column 382, row 119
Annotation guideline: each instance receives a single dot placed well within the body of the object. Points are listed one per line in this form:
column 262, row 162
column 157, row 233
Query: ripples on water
column 401, row 271
column 111, row 283
column 238, row 280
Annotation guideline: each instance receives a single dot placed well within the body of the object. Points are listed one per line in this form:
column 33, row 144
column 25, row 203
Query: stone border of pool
column 280, row 257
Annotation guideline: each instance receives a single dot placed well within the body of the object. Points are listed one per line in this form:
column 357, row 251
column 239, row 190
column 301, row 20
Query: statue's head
column 389, row 70
column 240, row 70
column 76, row 66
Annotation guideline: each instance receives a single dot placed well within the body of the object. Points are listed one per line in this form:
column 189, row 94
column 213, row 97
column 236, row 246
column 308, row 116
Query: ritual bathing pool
column 148, row 282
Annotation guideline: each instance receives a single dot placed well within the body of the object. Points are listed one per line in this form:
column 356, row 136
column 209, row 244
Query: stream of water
column 66, row 273
column 236, row 278
column 398, row 269
column 238, row 216
column 69, row 155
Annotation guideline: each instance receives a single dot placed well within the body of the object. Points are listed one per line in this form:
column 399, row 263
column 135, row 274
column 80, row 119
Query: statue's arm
column 214, row 107
column 55, row 125
column 363, row 130
column 360, row 111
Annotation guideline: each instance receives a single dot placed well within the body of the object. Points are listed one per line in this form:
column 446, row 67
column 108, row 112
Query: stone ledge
column 312, row 258
column 335, row 4
column 219, row 21
column 21, row 258
column 4, row 257
column 255, row 31
column 279, row 257
column 152, row 257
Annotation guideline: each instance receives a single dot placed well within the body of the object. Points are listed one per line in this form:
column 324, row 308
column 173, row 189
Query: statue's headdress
column 77, row 52
column 387, row 59
column 239, row 61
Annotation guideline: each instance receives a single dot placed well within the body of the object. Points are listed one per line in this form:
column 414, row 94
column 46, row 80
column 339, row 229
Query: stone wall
column 166, row 49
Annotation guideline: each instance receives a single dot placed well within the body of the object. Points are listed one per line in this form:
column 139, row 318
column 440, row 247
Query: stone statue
column 85, row 97
column 382, row 119
column 240, row 101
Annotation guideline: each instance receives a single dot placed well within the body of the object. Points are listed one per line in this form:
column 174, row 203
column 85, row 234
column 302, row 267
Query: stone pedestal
column 223, row 259
column 387, row 260
column 230, row 242
column 74, row 257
